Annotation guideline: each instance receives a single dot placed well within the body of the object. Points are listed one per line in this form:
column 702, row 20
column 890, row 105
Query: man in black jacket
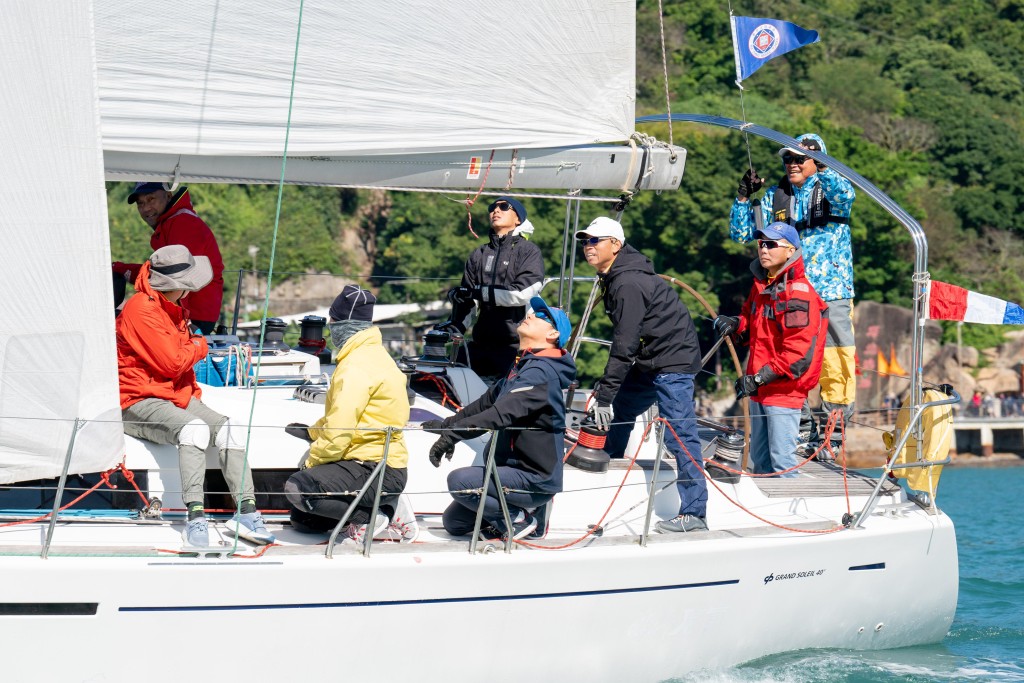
column 500, row 277
column 654, row 358
column 528, row 410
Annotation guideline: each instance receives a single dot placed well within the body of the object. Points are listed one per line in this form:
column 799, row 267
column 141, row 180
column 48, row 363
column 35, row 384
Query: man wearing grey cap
column 499, row 279
column 654, row 358
column 816, row 201
column 160, row 399
column 174, row 221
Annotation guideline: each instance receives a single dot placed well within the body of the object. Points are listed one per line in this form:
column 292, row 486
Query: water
column 986, row 642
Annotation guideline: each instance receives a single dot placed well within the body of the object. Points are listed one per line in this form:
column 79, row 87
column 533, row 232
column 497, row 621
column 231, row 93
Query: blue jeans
column 774, row 434
column 673, row 392
column 459, row 518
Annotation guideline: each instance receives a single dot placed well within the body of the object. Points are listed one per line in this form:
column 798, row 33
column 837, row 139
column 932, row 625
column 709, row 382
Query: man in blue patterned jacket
column 817, row 202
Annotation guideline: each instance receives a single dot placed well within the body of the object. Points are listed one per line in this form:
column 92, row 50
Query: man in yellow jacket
column 367, row 395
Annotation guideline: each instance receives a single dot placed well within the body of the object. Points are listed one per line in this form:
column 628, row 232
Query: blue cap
column 556, row 316
column 779, row 231
column 144, row 188
column 514, row 203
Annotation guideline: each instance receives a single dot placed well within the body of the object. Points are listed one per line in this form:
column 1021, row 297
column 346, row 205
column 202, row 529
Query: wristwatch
column 758, row 380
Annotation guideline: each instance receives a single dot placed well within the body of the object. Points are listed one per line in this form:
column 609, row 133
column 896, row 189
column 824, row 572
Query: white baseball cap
column 602, row 226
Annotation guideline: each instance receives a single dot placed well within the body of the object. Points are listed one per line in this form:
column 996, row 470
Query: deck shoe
column 682, row 523
column 250, row 526
column 404, row 526
column 357, row 532
column 197, row 533
column 521, row 529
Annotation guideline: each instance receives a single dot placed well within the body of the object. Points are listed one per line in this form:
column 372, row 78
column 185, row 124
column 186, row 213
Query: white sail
column 392, row 77
column 57, row 358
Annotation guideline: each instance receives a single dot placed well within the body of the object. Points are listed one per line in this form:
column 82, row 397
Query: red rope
column 469, row 201
column 440, row 385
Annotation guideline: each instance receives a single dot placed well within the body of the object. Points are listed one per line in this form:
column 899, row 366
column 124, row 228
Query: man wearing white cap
column 654, row 358
column 160, row 399
column 817, row 201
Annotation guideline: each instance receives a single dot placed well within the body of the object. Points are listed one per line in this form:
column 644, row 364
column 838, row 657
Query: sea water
column 986, row 641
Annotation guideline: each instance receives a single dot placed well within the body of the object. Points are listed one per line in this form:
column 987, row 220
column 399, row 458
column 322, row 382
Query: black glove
column 299, row 431
column 749, row 184
column 726, row 324
column 449, row 327
column 459, row 295
column 444, row 447
column 434, row 426
column 477, row 294
column 747, row 385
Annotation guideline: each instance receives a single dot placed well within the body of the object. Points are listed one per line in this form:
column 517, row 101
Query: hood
column 525, row 229
column 558, row 359
column 794, row 267
column 629, row 259
column 179, row 200
column 369, row 337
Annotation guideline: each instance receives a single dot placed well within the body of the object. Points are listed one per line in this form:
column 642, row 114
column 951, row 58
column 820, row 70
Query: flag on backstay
column 756, row 40
column 949, row 302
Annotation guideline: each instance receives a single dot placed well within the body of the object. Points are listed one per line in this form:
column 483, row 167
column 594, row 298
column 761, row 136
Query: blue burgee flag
column 755, row 41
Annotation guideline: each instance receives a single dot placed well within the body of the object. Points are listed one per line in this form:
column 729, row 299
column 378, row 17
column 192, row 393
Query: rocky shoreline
column 864, row 449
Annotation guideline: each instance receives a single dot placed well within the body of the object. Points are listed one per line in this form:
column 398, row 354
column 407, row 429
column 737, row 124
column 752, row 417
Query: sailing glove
column 726, row 324
column 444, row 447
column 460, row 295
column 747, row 385
column 749, row 184
column 299, row 431
column 602, row 413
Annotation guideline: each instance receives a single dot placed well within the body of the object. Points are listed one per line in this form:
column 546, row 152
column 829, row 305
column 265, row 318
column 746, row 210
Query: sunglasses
column 795, row 159
column 770, row 244
column 501, row 206
column 592, row 240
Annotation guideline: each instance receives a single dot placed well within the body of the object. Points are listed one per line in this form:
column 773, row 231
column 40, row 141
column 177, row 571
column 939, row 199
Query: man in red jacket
column 160, row 400
column 787, row 322
column 174, row 221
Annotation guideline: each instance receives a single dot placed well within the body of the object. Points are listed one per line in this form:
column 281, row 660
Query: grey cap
column 174, row 267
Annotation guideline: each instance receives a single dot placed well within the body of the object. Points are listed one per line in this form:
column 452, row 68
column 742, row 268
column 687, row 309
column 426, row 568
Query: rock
column 968, row 356
column 997, row 380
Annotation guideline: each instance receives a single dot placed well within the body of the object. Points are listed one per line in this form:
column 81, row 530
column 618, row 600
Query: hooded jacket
column 652, row 326
column 155, row 349
column 506, row 272
column 827, row 249
column 786, row 321
column 367, row 393
column 179, row 224
column 528, row 409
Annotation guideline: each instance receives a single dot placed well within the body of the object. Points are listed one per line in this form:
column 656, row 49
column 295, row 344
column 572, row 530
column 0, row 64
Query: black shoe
column 520, row 530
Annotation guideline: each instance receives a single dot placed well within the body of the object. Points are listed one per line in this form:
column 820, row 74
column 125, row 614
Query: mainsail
column 384, row 92
column 57, row 362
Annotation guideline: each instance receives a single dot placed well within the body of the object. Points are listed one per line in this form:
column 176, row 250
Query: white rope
column 664, row 69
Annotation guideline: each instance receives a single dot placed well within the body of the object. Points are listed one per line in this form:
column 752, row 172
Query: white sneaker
column 404, row 527
column 357, row 532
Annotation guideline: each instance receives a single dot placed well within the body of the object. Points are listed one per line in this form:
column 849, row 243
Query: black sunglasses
column 795, row 159
column 592, row 240
column 503, row 206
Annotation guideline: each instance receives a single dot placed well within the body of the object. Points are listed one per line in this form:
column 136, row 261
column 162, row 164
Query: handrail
column 378, row 473
column 654, row 482
column 916, row 413
column 60, row 489
column 491, row 470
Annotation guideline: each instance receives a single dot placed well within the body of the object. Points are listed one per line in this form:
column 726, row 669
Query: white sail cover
column 373, row 76
column 57, row 358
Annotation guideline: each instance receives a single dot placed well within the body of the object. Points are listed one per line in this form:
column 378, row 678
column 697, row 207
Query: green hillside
column 922, row 97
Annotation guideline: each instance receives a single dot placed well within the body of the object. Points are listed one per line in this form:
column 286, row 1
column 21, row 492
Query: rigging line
column 743, row 105
column 664, row 69
column 273, row 252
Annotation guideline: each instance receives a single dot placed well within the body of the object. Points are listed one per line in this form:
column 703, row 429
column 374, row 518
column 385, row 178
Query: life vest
column 817, row 215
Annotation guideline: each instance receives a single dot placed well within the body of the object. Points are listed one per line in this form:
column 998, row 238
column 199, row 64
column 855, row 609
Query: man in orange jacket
column 174, row 221
column 787, row 322
column 160, row 399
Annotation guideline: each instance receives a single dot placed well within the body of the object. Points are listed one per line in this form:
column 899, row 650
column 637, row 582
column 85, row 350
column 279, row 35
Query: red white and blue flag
column 756, row 40
column 949, row 302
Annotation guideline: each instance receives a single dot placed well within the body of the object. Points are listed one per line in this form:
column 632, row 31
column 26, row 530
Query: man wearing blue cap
column 816, row 201
column 174, row 221
column 787, row 324
column 500, row 277
column 527, row 408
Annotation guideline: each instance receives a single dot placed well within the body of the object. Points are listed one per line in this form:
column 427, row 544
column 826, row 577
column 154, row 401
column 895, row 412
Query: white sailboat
column 203, row 94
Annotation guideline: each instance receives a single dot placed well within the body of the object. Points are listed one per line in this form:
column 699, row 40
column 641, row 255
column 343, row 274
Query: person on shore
column 654, row 358
column 174, row 221
column 527, row 408
column 787, row 323
column 367, row 395
column 499, row 280
column 160, row 399
column 816, row 201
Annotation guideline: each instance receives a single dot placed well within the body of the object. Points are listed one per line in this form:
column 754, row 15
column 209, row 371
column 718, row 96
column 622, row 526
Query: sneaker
column 197, row 533
column 521, row 529
column 404, row 527
column 250, row 526
column 357, row 532
column 682, row 523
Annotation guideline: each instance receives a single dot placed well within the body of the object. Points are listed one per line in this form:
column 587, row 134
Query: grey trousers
column 160, row 421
